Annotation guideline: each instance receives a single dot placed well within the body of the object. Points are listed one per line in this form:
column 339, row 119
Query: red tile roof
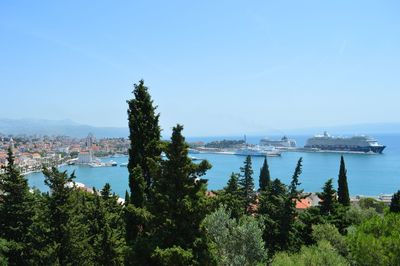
column 303, row 204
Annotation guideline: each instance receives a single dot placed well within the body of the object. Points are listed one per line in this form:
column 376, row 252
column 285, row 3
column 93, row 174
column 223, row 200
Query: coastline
column 231, row 152
column 368, row 175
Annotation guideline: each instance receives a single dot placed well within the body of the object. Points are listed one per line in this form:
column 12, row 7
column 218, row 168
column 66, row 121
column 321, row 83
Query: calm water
column 367, row 174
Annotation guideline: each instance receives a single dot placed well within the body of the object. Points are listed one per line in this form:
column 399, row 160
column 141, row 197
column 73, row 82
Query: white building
column 85, row 157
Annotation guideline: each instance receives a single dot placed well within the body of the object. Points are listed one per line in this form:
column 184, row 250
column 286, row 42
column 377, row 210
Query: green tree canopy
column 343, row 190
column 179, row 197
column 144, row 158
column 144, row 134
column 331, row 234
column 376, row 241
column 265, row 177
column 234, row 242
column 295, row 183
column 321, row 254
column 247, row 184
column 16, row 212
column 272, row 212
column 231, row 197
column 366, row 203
column 64, row 220
column 328, row 199
column 395, row 202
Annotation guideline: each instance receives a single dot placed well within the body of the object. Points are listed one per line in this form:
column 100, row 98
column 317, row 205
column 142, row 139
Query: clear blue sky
column 218, row 67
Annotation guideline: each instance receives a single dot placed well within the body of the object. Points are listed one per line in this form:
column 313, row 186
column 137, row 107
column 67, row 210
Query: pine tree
column 271, row 212
column 16, row 212
column 232, row 185
column 64, row 224
column 328, row 199
column 108, row 253
column 265, row 177
column 247, row 184
column 144, row 134
column 395, row 202
column 231, row 197
column 112, row 207
column 277, row 210
column 343, row 190
column 179, row 195
column 106, row 191
column 103, row 232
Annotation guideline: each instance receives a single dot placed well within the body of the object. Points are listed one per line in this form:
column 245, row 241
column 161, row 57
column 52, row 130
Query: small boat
column 194, row 158
column 96, row 164
column 111, row 163
column 124, row 165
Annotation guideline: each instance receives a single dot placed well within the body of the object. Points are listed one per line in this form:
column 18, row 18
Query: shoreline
column 224, row 152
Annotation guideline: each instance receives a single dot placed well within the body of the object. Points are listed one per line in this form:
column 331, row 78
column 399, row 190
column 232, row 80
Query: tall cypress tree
column 144, row 155
column 127, row 198
column 144, row 135
column 343, row 190
column 265, row 177
column 138, row 185
column 136, row 213
column 247, row 184
column 289, row 211
column 293, row 187
column 395, row 202
column 15, row 212
column 179, row 195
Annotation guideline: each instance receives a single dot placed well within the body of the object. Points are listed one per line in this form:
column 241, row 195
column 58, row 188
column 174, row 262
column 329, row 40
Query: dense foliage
column 232, row 241
column 224, row 144
column 343, row 190
column 16, row 212
column 265, row 177
column 246, row 183
column 169, row 218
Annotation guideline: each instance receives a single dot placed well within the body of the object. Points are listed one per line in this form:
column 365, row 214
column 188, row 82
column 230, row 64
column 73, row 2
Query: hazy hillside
column 73, row 129
column 57, row 127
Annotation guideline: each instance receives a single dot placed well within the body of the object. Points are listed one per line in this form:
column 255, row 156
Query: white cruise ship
column 257, row 150
column 284, row 142
column 354, row 144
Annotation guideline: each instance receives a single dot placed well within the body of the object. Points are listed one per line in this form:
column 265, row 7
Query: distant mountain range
column 57, row 127
column 70, row 128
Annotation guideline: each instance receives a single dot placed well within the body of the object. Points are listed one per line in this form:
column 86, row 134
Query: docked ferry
column 360, row 143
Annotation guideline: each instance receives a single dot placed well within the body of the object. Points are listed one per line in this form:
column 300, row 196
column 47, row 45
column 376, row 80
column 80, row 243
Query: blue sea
column 368, row 175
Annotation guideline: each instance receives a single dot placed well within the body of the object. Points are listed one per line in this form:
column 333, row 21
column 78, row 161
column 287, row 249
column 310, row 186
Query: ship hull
column 366, row 149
